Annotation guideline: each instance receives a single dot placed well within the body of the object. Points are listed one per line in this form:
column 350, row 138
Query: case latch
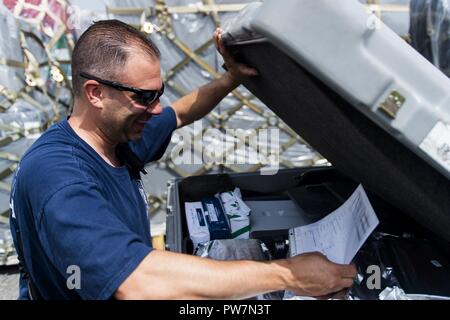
column 169, row 206
column 392, row 105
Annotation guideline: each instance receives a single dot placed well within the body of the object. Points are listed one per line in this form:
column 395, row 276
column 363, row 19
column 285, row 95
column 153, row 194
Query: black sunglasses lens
column 147, row 99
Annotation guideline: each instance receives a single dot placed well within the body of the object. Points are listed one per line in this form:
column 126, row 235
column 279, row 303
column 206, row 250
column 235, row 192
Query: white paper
column 437, row 144
column 341, row 234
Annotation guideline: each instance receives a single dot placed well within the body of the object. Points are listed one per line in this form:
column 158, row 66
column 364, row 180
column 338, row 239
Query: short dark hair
column 104, row 48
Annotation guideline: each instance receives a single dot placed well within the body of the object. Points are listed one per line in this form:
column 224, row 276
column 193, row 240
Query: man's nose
column 155, row 108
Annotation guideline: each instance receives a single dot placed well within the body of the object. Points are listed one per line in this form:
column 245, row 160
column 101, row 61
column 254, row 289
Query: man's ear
column 93, row 93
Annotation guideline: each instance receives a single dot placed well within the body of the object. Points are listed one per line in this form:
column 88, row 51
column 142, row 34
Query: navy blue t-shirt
column 79, row 216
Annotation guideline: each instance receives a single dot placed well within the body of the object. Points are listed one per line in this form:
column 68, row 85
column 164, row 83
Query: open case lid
column 358, row 93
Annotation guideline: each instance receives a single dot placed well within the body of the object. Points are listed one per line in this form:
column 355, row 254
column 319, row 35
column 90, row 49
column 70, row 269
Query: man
column 78, row 207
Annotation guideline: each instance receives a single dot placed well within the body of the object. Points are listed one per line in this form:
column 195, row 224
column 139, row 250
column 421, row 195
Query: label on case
column 437, row 144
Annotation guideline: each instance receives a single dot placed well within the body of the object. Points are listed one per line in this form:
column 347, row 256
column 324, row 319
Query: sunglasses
column 143, row 97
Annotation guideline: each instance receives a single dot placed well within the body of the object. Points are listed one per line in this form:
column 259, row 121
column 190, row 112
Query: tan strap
column 13, row 63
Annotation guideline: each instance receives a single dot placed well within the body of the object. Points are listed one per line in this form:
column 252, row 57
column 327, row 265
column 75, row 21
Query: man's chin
column 134, row 132
column 133, row 136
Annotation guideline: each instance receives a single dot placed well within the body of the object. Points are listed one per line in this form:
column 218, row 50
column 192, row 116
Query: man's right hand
column 314, row 275
column 168, row 275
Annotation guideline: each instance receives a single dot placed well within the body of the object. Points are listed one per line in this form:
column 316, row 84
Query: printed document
column 339, row 235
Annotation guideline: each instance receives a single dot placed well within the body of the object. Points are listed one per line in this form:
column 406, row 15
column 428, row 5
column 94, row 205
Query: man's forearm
column 167, row 275
column 201, row 101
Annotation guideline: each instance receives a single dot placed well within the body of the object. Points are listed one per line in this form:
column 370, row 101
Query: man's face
column 123, row 118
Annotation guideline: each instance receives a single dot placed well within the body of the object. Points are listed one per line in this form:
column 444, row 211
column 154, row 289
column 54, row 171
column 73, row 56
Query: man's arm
column 168, row 275
column 201, row 101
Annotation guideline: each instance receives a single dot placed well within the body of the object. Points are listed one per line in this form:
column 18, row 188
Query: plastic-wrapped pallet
column 31, row 95
column 28, row 117
column 49, row 15
column 8, row 255
column 11, row 75
column 430, row 31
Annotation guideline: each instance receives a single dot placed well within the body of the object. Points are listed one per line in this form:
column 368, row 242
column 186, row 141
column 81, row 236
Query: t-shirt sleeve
column 156, row 136
column 80, row 231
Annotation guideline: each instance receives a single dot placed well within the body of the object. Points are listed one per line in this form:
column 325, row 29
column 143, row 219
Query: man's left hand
column 237, row 70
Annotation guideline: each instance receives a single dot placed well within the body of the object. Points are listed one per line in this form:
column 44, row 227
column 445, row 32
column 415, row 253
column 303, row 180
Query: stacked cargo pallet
column 35, row 92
